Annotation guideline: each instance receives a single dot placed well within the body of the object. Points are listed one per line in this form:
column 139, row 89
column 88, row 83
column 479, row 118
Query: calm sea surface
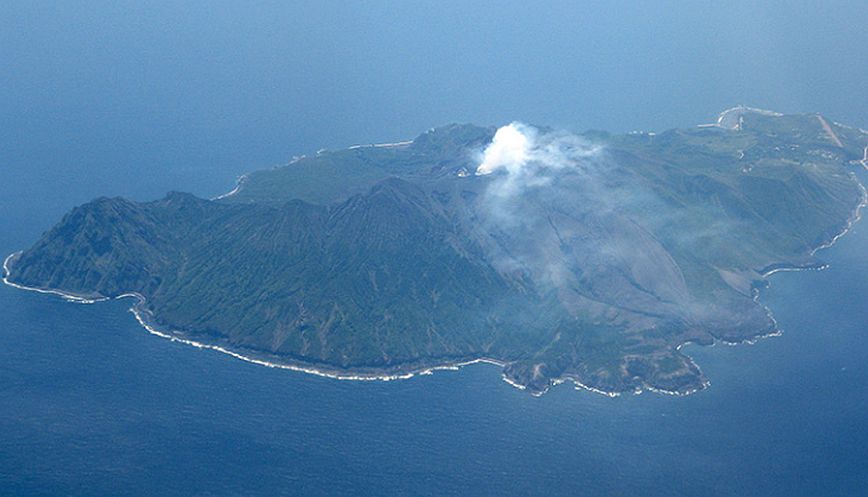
column 91, row 404
column 108, row 98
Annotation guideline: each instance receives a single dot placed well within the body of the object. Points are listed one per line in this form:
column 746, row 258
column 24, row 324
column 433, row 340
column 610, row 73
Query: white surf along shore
column 142, row 315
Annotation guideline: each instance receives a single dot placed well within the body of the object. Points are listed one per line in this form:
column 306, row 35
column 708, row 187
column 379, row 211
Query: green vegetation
column 385, row 259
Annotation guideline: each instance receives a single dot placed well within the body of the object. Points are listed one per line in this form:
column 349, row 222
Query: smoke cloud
column 590, row 226
column 509, row 149
column 527, row 157
column 531, row 175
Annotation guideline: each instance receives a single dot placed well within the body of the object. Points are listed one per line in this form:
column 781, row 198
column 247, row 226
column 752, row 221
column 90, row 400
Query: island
column 591, row 258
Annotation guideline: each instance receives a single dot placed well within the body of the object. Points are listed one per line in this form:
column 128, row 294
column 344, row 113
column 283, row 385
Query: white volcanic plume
column 508, row 149
column 529, row 157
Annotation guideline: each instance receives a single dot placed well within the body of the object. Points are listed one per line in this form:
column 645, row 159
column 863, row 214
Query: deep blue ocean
column 137, row 99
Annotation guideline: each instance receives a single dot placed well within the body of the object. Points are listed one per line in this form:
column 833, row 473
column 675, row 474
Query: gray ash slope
column 594, row 261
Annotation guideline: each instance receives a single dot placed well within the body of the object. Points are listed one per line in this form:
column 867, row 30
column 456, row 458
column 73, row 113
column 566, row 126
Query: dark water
column 91, row 404
column 127, row 99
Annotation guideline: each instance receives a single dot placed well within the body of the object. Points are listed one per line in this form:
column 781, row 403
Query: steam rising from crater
column 528, row 157
column 530, row 175
column 559, row 209
column 509, row 149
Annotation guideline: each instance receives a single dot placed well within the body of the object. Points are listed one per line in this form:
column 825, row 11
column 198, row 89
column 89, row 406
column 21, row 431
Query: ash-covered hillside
column 586, row 257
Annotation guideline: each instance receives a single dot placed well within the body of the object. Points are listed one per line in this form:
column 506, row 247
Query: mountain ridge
column 596, row 273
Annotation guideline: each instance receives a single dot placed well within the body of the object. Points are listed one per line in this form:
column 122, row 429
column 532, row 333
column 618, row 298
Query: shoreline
column 298, row 366
column 855, row 218
column 720, row 122
column 783, row 267
column 69, row 297
column 382, row 145
column 141, row 315
column 238, row 184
